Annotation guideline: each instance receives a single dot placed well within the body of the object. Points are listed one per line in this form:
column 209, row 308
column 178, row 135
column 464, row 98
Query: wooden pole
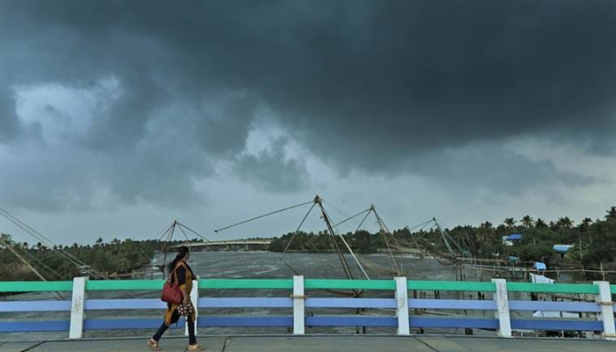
column 580, row 240
column 10, row 248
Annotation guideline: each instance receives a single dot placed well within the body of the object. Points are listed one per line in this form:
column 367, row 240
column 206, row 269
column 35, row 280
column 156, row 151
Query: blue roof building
column 561, row 248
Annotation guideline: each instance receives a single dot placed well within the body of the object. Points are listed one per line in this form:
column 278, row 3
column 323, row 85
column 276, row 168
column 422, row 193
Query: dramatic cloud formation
column 112, row 103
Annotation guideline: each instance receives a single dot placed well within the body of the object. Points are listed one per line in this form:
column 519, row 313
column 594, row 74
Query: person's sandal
column 196, row 347
column 153, row 345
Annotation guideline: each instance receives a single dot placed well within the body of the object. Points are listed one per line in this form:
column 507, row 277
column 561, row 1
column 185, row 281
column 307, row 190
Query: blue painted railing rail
column 296, row 295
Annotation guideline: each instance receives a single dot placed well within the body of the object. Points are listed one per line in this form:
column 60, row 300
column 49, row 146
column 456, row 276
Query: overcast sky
column 118, row 117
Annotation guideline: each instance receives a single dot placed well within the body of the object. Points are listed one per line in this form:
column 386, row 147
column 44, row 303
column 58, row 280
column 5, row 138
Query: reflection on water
column 262, row 265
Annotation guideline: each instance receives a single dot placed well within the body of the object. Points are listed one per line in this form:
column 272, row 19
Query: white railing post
column 502, row 308
column 299, row 305
column 194, row 297
column 604, row 299
column 402, row 306
column 77, row 308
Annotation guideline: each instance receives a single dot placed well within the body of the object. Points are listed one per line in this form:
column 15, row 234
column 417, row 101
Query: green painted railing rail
column 552, row 288
column 349, row 284
column 287, row 284
column 124, row 285
column 36, row 286
column 451, row 286
column 246, row 284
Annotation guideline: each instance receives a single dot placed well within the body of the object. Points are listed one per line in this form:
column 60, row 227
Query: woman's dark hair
column 182, row 251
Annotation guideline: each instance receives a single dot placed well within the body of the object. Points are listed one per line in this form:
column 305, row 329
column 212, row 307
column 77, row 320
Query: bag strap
column 172, row 275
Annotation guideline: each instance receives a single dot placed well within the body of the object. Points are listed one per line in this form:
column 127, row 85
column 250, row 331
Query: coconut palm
column 527, row 221
column 564, row 223
column 540, row 223
column 553, row 225
column 585, row 226
column 611, row 213
column 509, row 222
column 485, row 234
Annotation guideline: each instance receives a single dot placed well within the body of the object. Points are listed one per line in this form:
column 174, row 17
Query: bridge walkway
column 310, row 343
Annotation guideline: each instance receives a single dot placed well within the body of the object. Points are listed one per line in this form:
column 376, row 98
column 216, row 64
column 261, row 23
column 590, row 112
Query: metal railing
column 397, row 311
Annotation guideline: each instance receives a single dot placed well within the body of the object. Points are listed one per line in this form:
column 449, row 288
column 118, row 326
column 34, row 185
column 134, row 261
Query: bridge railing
column 304, row 305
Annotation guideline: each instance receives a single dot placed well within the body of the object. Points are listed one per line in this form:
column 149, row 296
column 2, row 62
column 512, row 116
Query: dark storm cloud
column 272, row 170
column 62, row 178
column 226, row 134
column 9, row 124
column 489, row 166
column 366, row 85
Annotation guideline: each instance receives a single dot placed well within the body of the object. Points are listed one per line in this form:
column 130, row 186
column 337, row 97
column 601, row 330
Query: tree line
column 593, row 241
column 59, row 262
column 593, row 246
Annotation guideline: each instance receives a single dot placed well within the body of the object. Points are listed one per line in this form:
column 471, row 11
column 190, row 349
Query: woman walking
column 180, row 272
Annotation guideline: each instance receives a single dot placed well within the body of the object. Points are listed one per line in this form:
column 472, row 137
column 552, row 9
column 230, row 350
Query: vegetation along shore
column 590, row 245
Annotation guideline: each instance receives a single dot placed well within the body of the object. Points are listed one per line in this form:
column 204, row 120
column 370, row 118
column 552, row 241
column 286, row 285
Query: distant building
column 509, row 240
column 561, row 248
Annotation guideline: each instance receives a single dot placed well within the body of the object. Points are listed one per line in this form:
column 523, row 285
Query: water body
column 325, row 265
column 259, row 265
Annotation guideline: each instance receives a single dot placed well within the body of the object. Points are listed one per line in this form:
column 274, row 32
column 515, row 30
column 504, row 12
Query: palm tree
column 509, row 222
column 527, row 221
column 553, row 225
column 540, row 223
column 611, row 213
column 585, row 226
column 564, row 223
column 485, row 235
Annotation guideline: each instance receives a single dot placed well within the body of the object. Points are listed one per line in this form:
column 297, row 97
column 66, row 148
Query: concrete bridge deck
column 310, row 343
